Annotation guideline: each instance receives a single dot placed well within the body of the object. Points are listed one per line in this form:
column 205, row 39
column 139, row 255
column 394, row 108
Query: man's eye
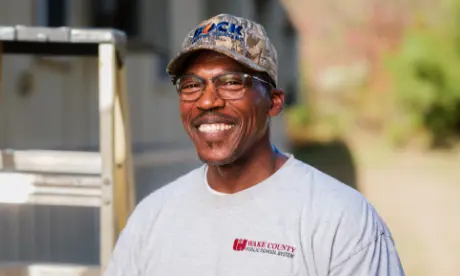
column 190, row 85
column 233, row 82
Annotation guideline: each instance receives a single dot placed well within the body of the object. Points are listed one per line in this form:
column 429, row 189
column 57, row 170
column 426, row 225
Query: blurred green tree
column 426, row 76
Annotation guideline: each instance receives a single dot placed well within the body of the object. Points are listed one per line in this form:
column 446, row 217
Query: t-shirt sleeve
column 348, row 236
column 378, row 258
column 125, row 254
column 362, row 244
column 129, row 257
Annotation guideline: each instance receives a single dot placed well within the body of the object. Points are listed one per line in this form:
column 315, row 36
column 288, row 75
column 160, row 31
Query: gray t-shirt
column 299, row 221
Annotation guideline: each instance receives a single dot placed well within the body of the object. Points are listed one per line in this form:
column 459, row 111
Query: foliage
column 303, row 127
column 299, row 115
column 426, row 75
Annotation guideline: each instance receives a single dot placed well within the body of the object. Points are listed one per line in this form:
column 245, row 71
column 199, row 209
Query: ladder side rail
column 1, row 70
column 107, row 92
column 124, row 175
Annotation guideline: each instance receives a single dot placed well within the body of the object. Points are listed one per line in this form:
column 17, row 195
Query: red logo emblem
column 239, row 244
column 272, row 248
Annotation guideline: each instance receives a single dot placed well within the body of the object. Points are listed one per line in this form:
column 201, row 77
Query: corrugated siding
column 48, row 234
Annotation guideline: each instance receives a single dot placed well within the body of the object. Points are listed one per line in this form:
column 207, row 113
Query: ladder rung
column 73, row 181
column 68, row 162
column 26, row 188
column 37, row 269
column 59, row 201
column 61, row 34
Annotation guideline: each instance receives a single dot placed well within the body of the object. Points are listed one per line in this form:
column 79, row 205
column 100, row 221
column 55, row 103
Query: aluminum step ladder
column 99, row 179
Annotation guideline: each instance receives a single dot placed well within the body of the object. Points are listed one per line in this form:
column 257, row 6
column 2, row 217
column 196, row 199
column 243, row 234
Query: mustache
column 212, row 114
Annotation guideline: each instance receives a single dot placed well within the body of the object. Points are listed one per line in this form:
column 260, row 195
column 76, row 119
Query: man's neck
column 259, row 164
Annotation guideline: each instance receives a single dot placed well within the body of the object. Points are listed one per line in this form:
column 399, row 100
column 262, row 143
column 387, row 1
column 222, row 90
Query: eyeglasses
column 228, row 86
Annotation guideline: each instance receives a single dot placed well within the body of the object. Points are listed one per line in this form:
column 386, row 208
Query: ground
column 418, row 195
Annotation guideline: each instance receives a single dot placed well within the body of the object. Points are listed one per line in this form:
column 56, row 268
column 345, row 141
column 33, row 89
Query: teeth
column 213, row 128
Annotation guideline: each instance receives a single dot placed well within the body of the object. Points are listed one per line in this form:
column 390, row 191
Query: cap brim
column 176, row 64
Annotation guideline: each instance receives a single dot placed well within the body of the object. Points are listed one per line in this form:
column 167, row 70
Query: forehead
column 209, row 60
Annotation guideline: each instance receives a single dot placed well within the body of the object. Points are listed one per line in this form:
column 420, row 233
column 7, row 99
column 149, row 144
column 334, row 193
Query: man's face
column 223, row 130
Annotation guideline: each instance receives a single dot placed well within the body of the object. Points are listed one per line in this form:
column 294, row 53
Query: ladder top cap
column 61, row 35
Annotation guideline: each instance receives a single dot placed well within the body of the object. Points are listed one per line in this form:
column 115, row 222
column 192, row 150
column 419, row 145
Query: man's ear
column 277, row 102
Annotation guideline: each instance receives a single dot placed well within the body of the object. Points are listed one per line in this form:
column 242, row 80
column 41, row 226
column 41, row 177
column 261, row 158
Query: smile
column 214, row 128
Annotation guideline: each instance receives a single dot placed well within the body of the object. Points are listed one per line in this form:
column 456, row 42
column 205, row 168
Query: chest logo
column 278, row 249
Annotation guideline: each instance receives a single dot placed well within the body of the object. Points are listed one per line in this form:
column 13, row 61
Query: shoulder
column 322, row 192
column 330, row 201
column 341, row 221
column 150, row 206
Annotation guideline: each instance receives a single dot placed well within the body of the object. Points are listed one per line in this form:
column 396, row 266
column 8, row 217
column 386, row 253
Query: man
column 250, row 209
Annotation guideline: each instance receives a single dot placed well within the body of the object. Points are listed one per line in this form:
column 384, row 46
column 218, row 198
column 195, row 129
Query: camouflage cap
column 241, row 39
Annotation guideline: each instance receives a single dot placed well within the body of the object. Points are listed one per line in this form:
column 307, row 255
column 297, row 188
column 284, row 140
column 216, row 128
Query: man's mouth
column 214, row 127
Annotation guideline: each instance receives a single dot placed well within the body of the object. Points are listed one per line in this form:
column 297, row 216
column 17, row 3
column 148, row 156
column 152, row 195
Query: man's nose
column 210, row 99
